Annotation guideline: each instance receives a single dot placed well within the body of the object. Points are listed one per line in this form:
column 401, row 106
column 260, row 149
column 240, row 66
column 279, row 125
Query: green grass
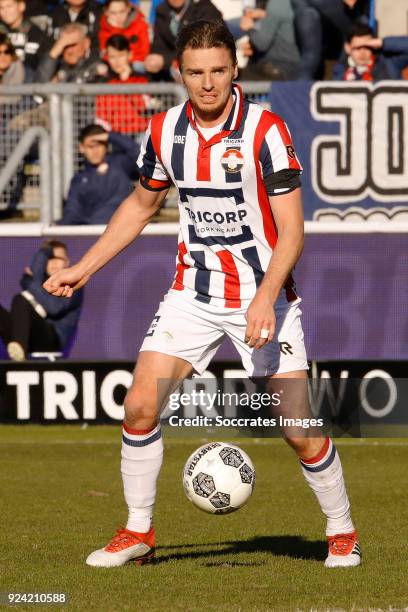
column 62, row 498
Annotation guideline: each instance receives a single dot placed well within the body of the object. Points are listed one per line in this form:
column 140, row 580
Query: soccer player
column 241, row 234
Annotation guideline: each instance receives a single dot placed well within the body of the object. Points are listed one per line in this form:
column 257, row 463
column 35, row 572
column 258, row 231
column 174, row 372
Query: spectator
column 107, row 178
column 12, row 69
column 171, row 15
column 368, row 58
column 87, row 12
column 70, row 59
column 37, row 320
column 12, row 72
column 125, row 113
column 272, row 51
column 324, row 23
column 28, row 40
column 120, row 17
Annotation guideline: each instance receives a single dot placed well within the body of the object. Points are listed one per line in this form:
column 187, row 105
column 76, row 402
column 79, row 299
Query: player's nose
column 207, row 82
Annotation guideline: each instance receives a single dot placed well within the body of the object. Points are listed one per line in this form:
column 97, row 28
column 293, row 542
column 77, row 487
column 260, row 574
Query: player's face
column 11, row 12
column 360, row 53
column 208, row 76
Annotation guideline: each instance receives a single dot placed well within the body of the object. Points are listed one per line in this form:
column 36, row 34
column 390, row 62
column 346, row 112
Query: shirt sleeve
column 153, row 175
column 280, row 166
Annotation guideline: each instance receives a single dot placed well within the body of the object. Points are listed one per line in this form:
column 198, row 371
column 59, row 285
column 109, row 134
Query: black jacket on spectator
column 164, row 40
column 96, row 191
column 39, row 7
column 37, row 11
column 63, row 314
column 29, row 42
column 89, row 15
column 85, row 71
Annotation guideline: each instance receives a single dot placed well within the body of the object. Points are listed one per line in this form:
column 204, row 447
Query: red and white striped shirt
column 227, row 230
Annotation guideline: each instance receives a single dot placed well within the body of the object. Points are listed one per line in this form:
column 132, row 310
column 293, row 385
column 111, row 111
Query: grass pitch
column 62, row 498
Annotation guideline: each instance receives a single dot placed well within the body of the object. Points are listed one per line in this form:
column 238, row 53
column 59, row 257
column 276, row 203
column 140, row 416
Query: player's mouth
column 208, row 97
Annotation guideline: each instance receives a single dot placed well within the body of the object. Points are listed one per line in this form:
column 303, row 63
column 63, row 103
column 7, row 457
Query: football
column 219, row 477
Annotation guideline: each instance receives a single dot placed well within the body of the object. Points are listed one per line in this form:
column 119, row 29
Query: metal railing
column 41, row 123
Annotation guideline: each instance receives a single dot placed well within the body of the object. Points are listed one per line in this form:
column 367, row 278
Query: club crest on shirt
column 232, row 160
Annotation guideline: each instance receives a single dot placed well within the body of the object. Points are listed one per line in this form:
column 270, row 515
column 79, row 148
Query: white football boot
column 344, row 550
column 125, row 546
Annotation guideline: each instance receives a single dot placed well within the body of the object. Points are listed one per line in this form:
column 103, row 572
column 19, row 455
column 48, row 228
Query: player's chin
column 208, row 109
column 209, row 104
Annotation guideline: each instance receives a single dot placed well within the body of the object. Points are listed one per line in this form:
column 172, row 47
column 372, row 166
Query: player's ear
column 347, row 48
column 235, row 71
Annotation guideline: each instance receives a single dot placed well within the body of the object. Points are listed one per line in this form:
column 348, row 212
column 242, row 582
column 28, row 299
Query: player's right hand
column 65, row 282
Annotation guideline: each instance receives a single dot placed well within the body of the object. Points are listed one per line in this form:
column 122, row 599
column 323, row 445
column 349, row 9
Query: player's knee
column 303, row 446
column 140, row 410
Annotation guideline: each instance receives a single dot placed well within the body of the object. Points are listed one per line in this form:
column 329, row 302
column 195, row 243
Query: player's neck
column 212, row 119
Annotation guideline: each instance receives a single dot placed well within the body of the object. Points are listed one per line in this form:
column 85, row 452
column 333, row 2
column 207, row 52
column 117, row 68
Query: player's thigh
column 286, row 353
column 185, row 329
column 156, row 376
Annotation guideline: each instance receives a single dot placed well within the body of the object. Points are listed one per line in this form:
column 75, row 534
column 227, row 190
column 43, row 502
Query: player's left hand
column 260, row 316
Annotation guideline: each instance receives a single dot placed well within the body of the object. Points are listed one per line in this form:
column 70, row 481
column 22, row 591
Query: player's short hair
column 359, row 29
column 205, row 35
column 91, row 130
column 118, row 42
column 6, row 42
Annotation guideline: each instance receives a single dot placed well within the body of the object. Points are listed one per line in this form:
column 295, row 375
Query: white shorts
column 193, row 331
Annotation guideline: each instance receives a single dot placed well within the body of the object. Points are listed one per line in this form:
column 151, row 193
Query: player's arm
column 125, row 225
column 288, row 214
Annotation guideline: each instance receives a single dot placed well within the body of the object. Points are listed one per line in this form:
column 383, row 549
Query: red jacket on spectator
column 125, row 113
column 136, row 31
